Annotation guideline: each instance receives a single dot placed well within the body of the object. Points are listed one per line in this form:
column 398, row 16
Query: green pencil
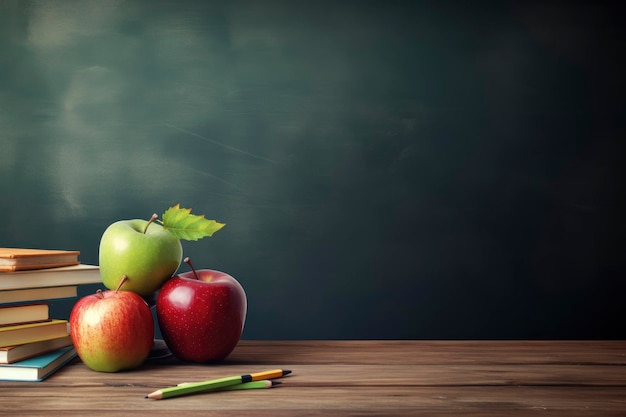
column 215, row 384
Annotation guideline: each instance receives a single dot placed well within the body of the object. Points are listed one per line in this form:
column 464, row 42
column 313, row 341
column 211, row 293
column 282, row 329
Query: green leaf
column 184, row 225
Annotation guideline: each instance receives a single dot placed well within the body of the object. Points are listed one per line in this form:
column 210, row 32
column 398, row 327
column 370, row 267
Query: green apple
column 142, row 250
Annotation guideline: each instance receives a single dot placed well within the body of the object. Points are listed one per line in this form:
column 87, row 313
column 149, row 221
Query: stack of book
column 33, row 345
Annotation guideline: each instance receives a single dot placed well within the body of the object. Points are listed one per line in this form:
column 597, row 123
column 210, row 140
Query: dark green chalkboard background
column 385, row 169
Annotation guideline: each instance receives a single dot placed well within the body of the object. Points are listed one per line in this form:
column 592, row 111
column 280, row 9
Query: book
column 16, row 259
column 38, row 294
column 51, row 277
column 10, row 354
column 32, row 332
column 37, row 368
column 24, row 313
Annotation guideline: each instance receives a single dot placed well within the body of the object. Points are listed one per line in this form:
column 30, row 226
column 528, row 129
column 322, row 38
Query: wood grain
column 350, row 378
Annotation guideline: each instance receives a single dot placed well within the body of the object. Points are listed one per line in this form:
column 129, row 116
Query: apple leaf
column 184, row 225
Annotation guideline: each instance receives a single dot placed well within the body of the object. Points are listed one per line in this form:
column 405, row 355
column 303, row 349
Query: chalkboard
column 385, row 169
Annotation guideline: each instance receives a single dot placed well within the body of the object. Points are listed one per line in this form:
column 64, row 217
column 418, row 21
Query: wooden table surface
column 355, row 378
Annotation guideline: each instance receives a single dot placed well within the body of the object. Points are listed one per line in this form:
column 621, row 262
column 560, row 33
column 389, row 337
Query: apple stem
column 188, row 262
column 152, row 219
column 122, row 281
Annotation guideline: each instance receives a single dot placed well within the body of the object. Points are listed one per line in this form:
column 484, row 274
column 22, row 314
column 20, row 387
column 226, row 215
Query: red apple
column 112, row 330
column 201, row 314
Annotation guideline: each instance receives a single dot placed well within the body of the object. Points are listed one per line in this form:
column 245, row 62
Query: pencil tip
column 145, row 396
column 286, row 372
column 276, row 382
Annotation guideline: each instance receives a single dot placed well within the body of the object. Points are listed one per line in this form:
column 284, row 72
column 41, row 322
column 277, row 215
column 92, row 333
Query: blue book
column 37, row 368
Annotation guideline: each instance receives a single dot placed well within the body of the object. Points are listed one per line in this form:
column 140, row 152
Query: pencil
column 266, row 383
column 214, row 384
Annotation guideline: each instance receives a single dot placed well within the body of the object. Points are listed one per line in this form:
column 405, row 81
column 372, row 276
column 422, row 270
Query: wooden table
column 355, row 378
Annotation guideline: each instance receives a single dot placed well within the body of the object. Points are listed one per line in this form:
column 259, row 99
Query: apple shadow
column 159, row 348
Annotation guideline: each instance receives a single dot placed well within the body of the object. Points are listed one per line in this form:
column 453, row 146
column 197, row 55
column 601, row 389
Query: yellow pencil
column 266, row 383
column 214, row 384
